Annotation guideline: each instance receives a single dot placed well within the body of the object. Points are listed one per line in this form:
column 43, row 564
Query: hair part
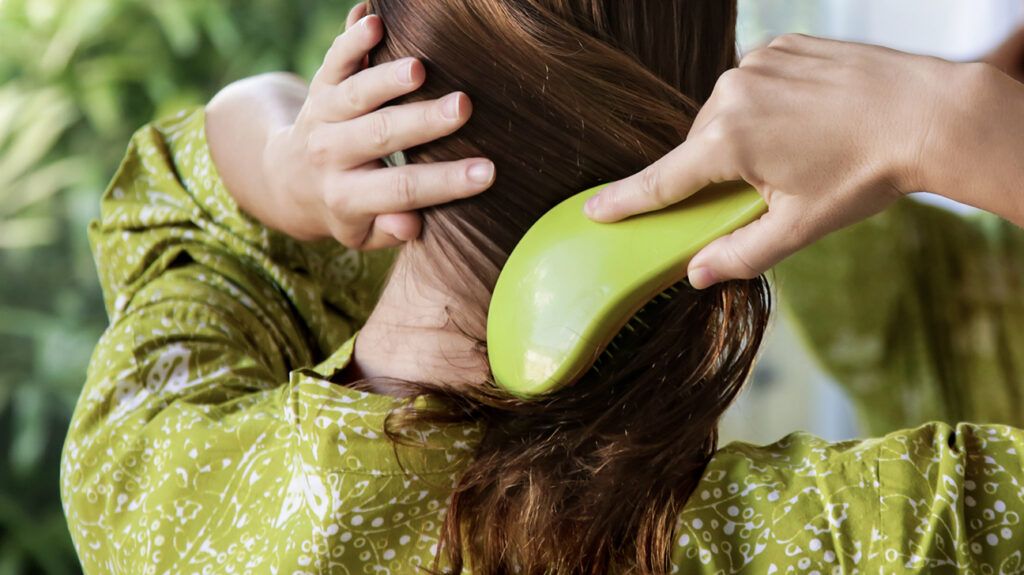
column 569, row 94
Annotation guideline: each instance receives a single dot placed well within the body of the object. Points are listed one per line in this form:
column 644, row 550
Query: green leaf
column 26, row 232
column 77, row 22
column 222, row 30
column 29, row 403
column 174, row 19
column 30, row 540
column 7, row 387
column 47, row 113
column 42, row 183
column 10, row 559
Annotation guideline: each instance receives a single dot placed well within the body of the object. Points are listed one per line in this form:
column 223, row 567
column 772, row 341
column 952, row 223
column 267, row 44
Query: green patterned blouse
column 209, row 437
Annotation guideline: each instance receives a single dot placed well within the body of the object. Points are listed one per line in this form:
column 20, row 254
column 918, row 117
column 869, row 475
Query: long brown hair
column 568, row 94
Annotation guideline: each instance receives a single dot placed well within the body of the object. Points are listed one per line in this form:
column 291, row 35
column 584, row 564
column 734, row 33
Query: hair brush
column 572, row 287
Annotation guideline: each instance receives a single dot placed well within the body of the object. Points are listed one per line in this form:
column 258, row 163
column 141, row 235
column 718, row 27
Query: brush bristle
column 638, row 326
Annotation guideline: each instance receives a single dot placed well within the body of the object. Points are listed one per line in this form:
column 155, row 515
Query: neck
column 410, row 337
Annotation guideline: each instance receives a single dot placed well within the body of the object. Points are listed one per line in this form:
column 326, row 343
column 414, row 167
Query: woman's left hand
column 307, row 162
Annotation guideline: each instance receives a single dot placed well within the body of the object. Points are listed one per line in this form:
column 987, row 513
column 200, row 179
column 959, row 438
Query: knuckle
column 338, row 44
column 349, row 239
column 337, row 203
column 454, row 178
column 351, row 95
column 733, row 81
column 380, row 129
column 726, row 139
column 347, row 232
column 718, row 133
column 756, row 57
column 790, row 40
column 741, row 266
column 404, row 187
column 318, row 149
column 651, row 186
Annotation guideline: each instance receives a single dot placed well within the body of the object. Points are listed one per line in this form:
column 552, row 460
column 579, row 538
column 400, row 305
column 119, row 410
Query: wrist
column 293, row 206
column 938, row 110
column 973, row 151
column 242, row 123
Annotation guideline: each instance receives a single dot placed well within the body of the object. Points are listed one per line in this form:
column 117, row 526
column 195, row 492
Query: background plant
column 77, row 77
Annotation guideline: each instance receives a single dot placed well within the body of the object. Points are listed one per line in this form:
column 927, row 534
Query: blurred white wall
column 953, row 29
column 789, row 392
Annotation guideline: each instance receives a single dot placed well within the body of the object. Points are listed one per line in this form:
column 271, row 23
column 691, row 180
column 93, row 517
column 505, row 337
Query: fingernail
column 450, row 108
column 405, row 72
column 701, row 278
column 590, row 208
column 362, row 22
column 481, row 172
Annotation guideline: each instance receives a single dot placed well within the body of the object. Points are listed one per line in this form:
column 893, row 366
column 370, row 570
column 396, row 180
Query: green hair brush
column 572, row 284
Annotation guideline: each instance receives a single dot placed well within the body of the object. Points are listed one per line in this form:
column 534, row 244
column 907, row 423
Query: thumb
column 404, row 226
column 675, row 177
column 747, row 252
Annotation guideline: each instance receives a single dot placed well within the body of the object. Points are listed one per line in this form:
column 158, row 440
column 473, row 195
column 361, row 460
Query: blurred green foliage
column 77, row 77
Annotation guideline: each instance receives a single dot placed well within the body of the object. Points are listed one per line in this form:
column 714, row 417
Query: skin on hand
column 321, row 172
column 828, row 132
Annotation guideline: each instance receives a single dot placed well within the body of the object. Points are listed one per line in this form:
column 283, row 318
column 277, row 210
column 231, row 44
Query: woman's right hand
column 318, row 171
column 830, row 133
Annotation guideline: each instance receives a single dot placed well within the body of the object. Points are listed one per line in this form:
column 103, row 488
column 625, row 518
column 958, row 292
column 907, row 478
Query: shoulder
column 807, row 503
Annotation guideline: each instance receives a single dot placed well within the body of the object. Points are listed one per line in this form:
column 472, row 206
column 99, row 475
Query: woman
column 189, row 452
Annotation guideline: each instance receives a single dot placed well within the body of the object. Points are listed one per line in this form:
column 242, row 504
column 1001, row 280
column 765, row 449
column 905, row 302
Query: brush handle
column 571, row 283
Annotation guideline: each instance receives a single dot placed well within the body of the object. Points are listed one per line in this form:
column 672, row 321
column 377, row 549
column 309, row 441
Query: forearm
column 239, row 122
column 975, row 154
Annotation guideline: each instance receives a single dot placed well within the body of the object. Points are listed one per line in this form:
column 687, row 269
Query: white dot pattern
column 209, row 439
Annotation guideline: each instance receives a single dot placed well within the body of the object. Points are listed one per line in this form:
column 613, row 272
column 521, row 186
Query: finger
column 384, row 231
column 391, row 130
column 364, row 236
column 779, row 62
column 417, row 186
column 842, row 51
column 370, row 89
column 355, row 14
column 405, row 226
column 696, row 163
column 346, row 54
column 379, row 238
column 747, row 252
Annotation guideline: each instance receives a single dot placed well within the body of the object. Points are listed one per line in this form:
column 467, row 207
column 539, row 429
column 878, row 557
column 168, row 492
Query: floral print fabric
column 209, row 437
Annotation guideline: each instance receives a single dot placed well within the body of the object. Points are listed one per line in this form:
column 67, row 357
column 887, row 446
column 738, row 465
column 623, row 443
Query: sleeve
column 196, row 388
column 933, row 499
column 918, row 313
